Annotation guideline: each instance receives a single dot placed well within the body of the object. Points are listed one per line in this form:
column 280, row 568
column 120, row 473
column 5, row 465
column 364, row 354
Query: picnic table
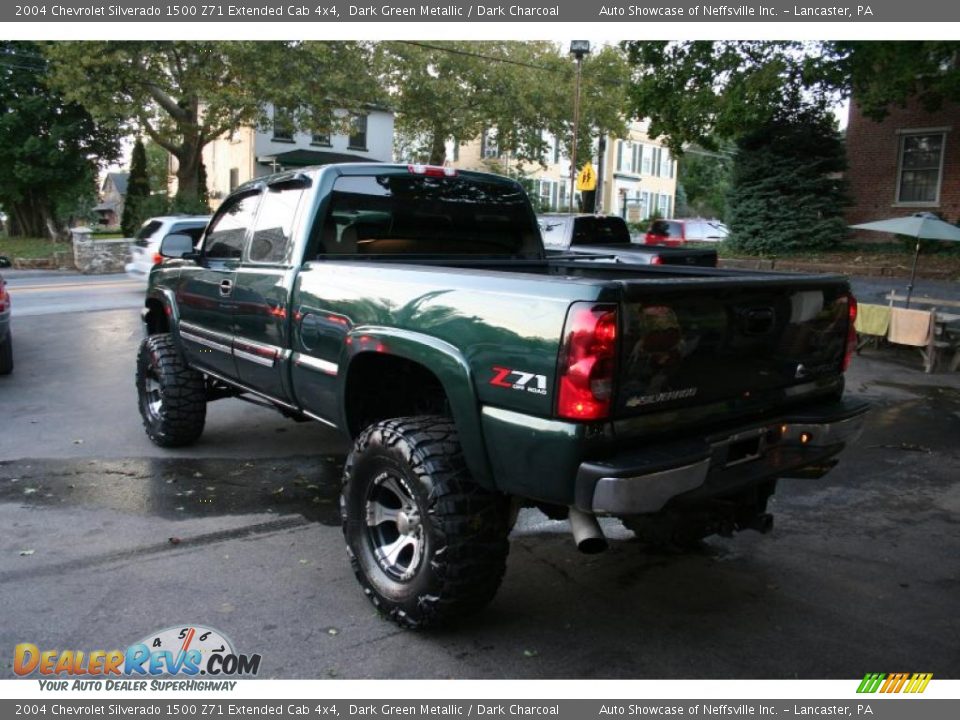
column 935, row 332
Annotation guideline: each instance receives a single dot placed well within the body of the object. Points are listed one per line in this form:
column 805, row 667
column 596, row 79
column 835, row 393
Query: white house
column 639, row 176
column 252, row 152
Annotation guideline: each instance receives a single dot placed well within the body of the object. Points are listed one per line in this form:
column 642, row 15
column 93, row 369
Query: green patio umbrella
column 922, row 226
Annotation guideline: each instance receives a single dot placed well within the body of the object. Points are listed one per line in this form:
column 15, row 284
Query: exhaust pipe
column 586, row 532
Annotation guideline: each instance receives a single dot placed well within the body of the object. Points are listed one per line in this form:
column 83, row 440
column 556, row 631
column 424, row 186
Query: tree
column 704, row 91
column 681, row 203
column 49, row 146
column 455, row 90
column 705, row 178
column 787, row 192
column 158, row 168
column 138, row 190
column 184, row 94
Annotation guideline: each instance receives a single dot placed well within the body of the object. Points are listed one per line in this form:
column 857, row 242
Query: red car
column 677, row 232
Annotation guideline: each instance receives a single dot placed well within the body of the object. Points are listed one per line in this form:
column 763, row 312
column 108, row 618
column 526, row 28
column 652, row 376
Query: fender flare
column 447, row 364
column 167, row 300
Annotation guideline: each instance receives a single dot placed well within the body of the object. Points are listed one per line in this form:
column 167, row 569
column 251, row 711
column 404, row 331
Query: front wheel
column 427, row 544
column 172, row 395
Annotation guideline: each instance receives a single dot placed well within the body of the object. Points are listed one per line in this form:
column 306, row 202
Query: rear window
column 394, row 214
column 554, row 232
column 666, row 228
column 600, row 231
column 144, row 233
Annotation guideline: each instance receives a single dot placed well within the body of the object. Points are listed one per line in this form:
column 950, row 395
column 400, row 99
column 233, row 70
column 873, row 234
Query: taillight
column 656, row 260
column 587, row 362
column 432, row 170
column 851, row 332
column 4, row 297
column 157, row 258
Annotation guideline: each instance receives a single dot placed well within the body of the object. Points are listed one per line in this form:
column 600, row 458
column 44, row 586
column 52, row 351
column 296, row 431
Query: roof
column 302, row 158
column 119, row 181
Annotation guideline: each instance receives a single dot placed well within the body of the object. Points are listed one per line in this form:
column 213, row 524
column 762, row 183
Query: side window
column 272, row 233
column 229, row 228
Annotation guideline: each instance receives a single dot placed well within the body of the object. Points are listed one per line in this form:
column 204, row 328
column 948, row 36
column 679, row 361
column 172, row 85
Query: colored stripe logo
column 895, row 682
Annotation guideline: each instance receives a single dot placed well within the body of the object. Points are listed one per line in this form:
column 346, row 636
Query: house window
column 664, row 205
column 921, row 164
column 655, row 161
column 320, row 139
column 666, row 164
column 646, row 159
column 358, row 136
column 234, row 178
column 282, row 124
column 546, row 194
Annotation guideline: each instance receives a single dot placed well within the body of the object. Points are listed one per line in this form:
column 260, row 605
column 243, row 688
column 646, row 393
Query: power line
column 481, row 56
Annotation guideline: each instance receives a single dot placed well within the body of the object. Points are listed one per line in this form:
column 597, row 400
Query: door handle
column 226, row 287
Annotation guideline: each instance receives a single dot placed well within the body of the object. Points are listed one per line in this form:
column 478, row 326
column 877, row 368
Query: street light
column 578, row 48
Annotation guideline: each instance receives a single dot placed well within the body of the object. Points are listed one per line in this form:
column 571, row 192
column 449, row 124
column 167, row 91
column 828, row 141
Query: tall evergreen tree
column 787, row 192
column 138, row 190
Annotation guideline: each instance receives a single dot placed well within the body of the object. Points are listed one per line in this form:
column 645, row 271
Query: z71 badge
column 519, row 380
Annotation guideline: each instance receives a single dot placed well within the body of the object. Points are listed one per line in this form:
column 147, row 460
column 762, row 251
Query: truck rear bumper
column 645, row 480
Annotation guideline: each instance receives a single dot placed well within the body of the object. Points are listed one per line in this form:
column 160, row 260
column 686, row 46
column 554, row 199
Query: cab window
column 228, row 229
column 273, row 230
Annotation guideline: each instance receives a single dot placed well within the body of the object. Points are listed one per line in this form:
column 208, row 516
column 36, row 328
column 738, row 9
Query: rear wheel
column 6, row 355
column 426, row 543
column 172, row 395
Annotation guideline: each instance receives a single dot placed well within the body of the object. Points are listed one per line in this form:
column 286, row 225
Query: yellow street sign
column 586, row 178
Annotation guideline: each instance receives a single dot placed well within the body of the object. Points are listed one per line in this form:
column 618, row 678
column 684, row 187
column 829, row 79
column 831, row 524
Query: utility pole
column 579, row 49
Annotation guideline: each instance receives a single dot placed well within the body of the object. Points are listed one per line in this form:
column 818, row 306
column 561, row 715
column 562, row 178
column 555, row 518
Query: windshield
column 667, row 228
column 394, row 214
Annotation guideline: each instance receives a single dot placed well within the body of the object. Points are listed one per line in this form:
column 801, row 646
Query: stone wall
column 97, row 257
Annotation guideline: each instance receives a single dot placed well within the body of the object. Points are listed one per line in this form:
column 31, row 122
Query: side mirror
column 176, row 245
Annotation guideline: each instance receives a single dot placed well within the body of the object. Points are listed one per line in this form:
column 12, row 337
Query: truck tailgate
column 707, row 342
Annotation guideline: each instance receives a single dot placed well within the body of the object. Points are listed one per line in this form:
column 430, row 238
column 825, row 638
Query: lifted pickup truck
column 598, row 236
column 413, row 309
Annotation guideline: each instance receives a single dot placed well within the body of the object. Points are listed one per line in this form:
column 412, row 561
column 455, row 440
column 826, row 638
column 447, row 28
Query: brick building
column 907, row 163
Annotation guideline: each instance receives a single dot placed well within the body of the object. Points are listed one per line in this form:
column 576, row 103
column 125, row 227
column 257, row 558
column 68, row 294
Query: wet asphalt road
column 241, row 533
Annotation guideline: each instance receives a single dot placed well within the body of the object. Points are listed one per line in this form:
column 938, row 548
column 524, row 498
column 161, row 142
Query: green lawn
column 31, row 247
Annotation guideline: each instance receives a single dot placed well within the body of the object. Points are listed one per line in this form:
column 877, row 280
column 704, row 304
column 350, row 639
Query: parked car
column 413, row 309
column 6, row 341
column 145, row 249
column 676, row 232
column 607, row 237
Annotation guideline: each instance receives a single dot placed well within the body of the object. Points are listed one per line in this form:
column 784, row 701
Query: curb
column 850, row 269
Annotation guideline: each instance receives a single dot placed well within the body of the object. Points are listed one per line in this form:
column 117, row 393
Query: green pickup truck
column 413, row 309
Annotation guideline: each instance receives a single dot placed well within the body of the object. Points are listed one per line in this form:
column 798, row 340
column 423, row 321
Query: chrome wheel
column 394, row 526
column 153, row 398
